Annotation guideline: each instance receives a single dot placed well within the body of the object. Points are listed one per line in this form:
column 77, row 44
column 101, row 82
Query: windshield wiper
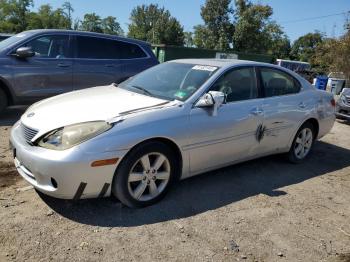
column 145, row 91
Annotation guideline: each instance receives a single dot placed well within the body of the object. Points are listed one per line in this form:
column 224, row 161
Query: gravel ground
column 262, row 210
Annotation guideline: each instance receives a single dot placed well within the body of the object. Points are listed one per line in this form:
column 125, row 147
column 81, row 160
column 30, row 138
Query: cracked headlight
column 69, row 136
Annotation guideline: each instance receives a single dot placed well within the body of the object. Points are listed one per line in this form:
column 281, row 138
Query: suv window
column 53, row 46
column 100, row 48
column 278, row 83
column 238, row 84
column 96, row 48
column 130, row 51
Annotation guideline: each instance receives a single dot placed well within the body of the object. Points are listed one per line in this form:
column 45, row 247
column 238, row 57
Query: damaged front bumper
column 64, row 174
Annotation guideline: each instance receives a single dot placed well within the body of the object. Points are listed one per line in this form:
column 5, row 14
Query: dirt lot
column 263, row 210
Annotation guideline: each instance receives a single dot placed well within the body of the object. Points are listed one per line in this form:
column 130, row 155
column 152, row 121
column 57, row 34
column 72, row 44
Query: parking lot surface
column 262, row 210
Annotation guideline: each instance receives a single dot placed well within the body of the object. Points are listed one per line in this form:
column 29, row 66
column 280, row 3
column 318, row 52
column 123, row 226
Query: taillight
column 333, row 102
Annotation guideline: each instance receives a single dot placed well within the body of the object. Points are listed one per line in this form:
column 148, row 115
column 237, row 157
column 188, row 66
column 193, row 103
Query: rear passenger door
column 284, row 108
column 96, row 63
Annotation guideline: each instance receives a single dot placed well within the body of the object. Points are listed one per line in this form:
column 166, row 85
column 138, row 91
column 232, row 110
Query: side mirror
column 212, row 99
column 25, row 52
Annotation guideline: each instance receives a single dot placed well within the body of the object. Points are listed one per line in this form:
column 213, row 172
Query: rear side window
column 96, row 48
column 130, row 51
column 278, row 83
column 100, row 48
column 52, row 46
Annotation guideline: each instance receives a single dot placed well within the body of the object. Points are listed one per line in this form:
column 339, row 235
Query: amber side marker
column 105, row 162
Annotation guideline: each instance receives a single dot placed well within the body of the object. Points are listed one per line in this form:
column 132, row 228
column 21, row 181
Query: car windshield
column 170, row 81
column 11, row 40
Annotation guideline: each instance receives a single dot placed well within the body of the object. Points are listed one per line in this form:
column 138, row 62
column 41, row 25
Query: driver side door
column 231, row 135
column 47, row 73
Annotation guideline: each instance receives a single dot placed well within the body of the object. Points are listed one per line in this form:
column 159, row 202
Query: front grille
column 28, row 133
column 347, row 98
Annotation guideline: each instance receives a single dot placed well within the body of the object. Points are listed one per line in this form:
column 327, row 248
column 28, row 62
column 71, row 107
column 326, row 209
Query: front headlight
column 343, row 99
column 69, row 136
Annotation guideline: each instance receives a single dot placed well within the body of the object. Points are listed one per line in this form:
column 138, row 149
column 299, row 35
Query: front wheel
column 302, row 143
column 3, row 101
column 145, row 175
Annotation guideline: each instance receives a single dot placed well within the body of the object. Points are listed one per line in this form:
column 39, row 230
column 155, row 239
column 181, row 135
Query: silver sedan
column 178, row 119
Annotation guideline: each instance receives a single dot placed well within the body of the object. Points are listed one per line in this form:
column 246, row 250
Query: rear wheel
column 145, row 175
column 302, row 143
column 3, row 101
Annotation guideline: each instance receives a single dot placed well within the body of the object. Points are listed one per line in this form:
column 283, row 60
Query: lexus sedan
column 175, row 120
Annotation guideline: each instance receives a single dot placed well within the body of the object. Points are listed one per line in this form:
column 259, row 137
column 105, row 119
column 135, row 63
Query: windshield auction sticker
column 204, row 68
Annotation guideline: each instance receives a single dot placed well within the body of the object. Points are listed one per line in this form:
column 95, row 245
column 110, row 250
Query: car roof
column 85, row 33
column 223, row 63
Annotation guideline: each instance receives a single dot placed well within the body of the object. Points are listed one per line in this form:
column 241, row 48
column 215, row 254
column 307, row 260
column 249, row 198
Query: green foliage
column 333, row 55
column 203, row 37
column 188, row 39
column 111, row 26
column 68, row 10
column 47, row 18
column 304, row 47
column 217, row 19
column 14, row 15
column 249, row 30
column 92, row 23
column 277, row 43
column 154, row 24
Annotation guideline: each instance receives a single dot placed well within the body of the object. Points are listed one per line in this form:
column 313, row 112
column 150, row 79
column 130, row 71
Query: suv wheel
column 145, row 175
column 3, row 101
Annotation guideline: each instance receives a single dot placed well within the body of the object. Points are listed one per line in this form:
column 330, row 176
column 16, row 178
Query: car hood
column 93, row 104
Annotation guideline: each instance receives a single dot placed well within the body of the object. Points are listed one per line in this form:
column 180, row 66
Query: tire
column 3, row 101
column 135, row 174
column 302, row 143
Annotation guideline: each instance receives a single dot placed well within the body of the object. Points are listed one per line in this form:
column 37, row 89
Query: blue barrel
column 321, row 82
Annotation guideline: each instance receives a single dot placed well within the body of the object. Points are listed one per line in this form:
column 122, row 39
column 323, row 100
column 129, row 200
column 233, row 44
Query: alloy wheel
column 303, row 143
column 149, row 176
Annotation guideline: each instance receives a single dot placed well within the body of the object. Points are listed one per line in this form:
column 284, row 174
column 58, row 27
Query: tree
column 68, row 10
column 154, row 24
column 47, row 18
column 277, row 42
column 203, row 37
column 111, row 26
column 304, row 47
column 14, row 15
column 333, row 55
column 216, row 15
column 252, row 27
column 188, row 39
column 92, row 23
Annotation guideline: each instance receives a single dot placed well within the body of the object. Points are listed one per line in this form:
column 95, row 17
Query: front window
column 237, row 85
column 11, row 40
column 170, row 81
column 53, row 46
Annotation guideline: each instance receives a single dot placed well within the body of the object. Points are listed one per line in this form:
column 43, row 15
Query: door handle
column 302, row 105
column 63, row 65
column 257, row 111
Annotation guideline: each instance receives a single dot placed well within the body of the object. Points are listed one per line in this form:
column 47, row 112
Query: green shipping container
column 166, row 53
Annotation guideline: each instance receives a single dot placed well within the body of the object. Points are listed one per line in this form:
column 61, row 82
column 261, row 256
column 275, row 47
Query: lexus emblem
column 31, row 114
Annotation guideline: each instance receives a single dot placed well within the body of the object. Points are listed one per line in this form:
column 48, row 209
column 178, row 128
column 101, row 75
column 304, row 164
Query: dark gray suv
column 42, row 63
